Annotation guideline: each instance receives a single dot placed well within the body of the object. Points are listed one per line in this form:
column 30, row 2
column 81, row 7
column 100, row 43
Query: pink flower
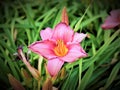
column 112, row 20
column 59, row 45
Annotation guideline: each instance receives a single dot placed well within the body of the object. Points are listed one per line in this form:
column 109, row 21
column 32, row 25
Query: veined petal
column 44, row 48
column 46, row 34
column 75, row 52
column 110, row 22
column 78, row 37
column 63, row 32
column 54, row 66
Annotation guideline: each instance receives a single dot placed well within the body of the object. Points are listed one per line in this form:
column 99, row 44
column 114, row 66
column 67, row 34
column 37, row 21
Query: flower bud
column 65, row 16
column 47, row 84
column 15, row 83
column 34, row 72
column 27, row 78
column 63, row 73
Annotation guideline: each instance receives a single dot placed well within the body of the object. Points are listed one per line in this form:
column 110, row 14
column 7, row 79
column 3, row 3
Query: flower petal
column 44, row 48
column 115, row 13
column 54, row 66
column 78, row 37
column 110, row 22
column 63, row 32
column 46, row 34
column 75, row 52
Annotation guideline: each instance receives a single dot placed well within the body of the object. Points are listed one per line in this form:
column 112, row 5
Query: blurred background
column 21, row 22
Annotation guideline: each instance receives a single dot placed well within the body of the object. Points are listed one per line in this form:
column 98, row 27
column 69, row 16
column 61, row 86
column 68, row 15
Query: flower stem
column 38, row 84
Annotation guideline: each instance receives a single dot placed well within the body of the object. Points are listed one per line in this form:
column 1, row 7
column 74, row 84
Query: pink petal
column 44, row 48
column 110, row 22
column 75, row 52
column 46, row 34
column 115, row 13
column 54, row 66
column 78, row 37
column 63, row 32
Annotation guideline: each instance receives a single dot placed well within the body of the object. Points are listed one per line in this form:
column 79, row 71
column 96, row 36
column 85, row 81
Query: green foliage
column 21, row 22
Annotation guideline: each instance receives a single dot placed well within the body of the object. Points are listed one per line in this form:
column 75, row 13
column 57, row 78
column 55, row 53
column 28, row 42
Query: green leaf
column 86, row 78
column 79, row 22
column 71, row 81
column 113, row 75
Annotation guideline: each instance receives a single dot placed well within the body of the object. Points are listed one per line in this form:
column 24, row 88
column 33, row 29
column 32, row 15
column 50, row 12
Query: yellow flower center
column 60, row 49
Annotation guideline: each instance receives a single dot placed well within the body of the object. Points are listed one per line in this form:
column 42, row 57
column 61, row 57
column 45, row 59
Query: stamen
column 60, row 49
